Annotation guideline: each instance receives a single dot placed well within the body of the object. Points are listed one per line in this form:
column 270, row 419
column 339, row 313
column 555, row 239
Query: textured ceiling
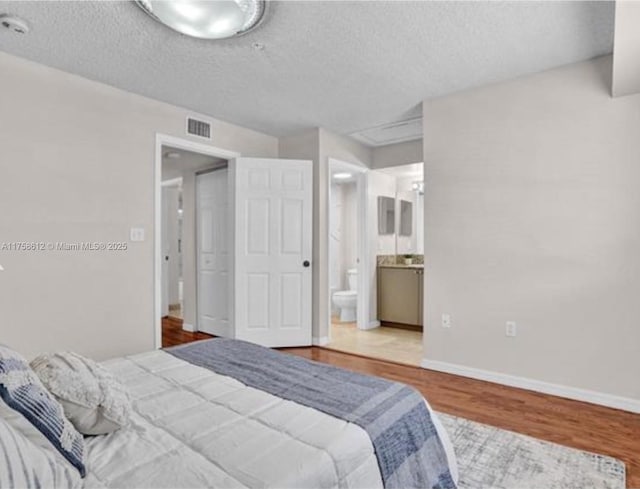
column 344, row 66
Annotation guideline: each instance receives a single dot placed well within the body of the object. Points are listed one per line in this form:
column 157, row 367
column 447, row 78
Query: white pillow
column 27, row 406
column 93, row 400
column 25, row 464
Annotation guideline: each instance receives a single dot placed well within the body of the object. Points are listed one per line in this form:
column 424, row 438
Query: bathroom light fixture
column 206, row 19
column 418, row 187
column 342, row 176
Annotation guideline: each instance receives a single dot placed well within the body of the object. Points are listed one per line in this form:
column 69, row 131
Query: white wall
column 337, row 236
column 532, row 210
column 343, row 237
column 626, row 48
column 77, row 164
column 343, row 249
column 349, row 251
column 335, row 241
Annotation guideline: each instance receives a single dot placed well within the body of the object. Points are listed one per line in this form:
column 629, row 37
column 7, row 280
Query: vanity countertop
column 398, row 265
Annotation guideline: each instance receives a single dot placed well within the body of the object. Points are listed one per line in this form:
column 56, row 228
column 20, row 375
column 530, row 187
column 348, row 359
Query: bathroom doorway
column 348, row 270
column 394, row 235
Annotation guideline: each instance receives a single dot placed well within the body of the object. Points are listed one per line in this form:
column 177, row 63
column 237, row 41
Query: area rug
column 489, row 457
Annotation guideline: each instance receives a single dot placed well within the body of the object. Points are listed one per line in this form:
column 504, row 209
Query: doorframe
column 362, row 182
column 188, row 145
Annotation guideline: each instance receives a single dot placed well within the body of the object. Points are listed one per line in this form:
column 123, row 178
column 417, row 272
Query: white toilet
column 347, row 300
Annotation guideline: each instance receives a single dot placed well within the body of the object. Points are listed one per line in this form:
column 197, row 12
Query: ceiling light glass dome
column 206, row 19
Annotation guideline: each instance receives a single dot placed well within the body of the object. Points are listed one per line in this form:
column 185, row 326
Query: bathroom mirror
column 406, row 218
column 386, row 215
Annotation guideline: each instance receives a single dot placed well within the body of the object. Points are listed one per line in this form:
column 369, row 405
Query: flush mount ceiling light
column 206, row 19
column 14, row 24
column 342, row 176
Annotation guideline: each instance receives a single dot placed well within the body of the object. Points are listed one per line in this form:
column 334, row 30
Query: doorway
column 394, row 232
column 348, row 269
column 249, row 250
column 195, row 259
column 178, row 164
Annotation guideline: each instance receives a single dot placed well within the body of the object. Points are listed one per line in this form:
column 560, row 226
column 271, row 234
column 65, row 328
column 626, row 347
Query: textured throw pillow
column 93, row 400
column 24, row 464
column 26, row 405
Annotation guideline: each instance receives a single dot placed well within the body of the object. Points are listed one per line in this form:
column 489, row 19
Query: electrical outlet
column 446, row 321
column 511, row 329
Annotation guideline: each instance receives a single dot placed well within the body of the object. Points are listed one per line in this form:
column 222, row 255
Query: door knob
column 306, row 263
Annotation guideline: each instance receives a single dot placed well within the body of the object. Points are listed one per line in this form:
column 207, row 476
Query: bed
column 227, row 414
column 218, row 413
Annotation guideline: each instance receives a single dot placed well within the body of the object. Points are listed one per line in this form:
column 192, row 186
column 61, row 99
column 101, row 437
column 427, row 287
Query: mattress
column 194, row 428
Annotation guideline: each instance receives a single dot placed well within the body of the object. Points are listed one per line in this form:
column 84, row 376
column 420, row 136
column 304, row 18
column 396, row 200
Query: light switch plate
column 137, row 234
column 446, row 320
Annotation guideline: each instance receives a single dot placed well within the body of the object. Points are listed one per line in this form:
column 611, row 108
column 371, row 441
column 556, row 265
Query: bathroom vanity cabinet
column 400, row 297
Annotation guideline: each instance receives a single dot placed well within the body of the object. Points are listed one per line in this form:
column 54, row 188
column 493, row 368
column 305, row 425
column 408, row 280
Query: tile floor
column 397, row 345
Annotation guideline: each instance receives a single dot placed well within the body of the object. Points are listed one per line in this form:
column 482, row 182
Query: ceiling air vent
column 198, row 128
column 394, row 132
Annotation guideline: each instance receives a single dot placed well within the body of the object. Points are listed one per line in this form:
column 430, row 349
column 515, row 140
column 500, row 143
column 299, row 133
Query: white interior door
column 212, row 211
column 273, row 246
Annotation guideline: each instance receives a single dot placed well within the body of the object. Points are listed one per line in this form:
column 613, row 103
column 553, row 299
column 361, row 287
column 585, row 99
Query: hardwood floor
column 173, row 334
column 571, row 423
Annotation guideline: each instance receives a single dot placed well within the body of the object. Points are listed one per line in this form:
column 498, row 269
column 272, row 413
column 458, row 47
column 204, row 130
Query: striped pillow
column 24, row 464
column 29, row 408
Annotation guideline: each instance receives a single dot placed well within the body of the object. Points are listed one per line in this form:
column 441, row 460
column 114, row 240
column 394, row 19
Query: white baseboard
column 372, row 325
column 188, row 327
column 322, row 341
column 600, row 398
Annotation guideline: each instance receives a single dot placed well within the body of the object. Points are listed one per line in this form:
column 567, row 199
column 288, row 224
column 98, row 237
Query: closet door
column 212, row 211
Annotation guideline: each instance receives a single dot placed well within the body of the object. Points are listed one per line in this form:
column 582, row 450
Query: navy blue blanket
column 407, row 446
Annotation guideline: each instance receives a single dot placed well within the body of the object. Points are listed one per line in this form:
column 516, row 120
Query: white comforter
column 194, row 428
